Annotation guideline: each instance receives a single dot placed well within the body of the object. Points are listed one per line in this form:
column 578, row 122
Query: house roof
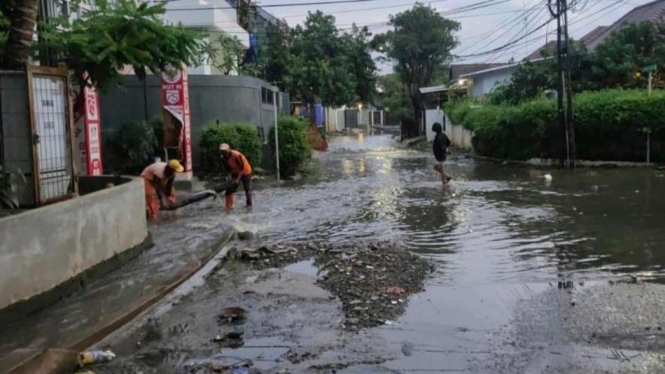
column 457, row 70
column 498, row 68
column 650, row 12
column 549, row 49
column 593, row 35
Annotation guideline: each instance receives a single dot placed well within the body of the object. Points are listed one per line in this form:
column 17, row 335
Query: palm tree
column 22, row 15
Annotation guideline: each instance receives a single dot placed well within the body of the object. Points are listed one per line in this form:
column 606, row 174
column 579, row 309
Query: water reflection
column 495, row 222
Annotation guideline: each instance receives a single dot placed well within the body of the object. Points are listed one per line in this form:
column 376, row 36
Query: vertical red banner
column 175, row 99
column 92, row 131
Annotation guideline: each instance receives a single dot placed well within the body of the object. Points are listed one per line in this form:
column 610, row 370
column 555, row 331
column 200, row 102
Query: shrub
column 240, row 136
column 129, row 148
column 294, row 147
column 609, row 126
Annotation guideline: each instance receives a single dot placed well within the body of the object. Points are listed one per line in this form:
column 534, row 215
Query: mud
column 373, row 279
column 292, row 325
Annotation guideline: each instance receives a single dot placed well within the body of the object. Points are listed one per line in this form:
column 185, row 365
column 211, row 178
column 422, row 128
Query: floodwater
column 503, row 237
column 505, row 240
column 493, row 223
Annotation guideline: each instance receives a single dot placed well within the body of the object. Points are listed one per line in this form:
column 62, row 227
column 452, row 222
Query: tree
column 421, row 42
column 274, row 50
column 318, row 65
column 228, row 54
column 104, row 41
column 22, row 17
column 362, row 64
column 627, row 51
column 394, row 97
column 532, row 78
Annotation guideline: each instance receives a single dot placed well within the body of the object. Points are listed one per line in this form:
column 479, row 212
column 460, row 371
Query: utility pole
column 562, row 68
column 570, row 118
column 274, row 103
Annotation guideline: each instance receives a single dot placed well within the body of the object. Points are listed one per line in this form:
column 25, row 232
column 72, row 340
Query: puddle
column 306, row 267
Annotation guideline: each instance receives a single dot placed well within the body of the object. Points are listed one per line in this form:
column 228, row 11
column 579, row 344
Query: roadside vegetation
column 610, row 125
column 613, row 112
column 240, row 136
column 128, row 148
column 294, row 145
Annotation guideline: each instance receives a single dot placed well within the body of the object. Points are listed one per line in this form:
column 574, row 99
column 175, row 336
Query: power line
column 510, row 43
column 467, row 8
column 512, row 25
column 273, row 5
column 508, row 22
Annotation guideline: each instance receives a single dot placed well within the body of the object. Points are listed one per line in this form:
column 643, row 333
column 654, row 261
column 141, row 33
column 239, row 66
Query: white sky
column 482, row 29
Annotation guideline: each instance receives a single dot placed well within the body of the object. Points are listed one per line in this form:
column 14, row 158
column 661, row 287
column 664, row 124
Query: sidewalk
column 184, row 241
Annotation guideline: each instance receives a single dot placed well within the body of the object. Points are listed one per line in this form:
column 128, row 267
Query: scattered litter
column 252, row 279
column 407, row 348
column 395, row 290
column 388, row 323
column 95, row 357
column 232, row 314
column 548, row 177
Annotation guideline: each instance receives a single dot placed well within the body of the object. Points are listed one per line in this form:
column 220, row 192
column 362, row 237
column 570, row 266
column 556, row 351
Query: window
column 266, row 95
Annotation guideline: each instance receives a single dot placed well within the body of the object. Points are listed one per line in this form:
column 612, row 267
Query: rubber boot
column 229, row 203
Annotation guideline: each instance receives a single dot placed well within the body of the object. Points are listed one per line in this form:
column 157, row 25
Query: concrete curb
column 62, row 360
column 550, row 164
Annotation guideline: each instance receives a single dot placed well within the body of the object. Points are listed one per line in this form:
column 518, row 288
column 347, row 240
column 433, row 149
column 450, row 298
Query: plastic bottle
column 95, row 357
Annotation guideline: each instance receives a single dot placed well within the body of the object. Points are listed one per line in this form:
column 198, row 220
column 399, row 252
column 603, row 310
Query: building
column 214, row 18
column 480, row 79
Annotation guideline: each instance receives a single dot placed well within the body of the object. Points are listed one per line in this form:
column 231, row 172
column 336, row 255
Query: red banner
column 175, row 99
column 88, row 133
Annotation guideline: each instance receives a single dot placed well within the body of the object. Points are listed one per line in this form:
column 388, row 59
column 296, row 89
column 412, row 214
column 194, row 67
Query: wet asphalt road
column 503, row 237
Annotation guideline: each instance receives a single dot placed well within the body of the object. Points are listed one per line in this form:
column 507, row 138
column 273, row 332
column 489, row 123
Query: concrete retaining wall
column 45, row 247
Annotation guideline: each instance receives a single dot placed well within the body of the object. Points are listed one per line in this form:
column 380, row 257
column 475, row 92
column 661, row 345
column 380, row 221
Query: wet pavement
column 182, row 242
column 533, row 275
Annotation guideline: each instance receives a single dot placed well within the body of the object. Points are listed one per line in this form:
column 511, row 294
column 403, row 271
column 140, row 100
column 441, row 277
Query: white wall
column 224, row 18
column 484, row 83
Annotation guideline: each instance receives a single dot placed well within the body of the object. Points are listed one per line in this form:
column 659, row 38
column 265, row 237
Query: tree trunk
column 21, row 30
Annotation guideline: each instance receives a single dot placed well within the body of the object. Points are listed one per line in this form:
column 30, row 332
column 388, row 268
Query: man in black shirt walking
column 440, row 148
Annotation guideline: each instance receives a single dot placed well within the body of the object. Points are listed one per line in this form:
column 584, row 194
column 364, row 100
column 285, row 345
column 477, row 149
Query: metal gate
column 351, row 118
column 52, row 120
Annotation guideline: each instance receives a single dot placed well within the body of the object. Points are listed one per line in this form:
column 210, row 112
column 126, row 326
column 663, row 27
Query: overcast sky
column 492, row 26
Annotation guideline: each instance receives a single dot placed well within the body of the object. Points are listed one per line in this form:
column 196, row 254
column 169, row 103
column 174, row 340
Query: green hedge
column 240, row 136
column 294, row 146
column 609, row 126
column 132, row 146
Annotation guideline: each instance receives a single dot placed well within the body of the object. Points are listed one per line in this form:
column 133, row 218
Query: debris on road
column 94, row 357
column 372, row 280
column 232, row 314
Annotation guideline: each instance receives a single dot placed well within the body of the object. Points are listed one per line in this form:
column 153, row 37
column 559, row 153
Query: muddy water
column 503, row 237
column 493, row 223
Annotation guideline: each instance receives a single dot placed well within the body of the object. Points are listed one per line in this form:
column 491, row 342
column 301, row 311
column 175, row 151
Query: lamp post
column 274, row 101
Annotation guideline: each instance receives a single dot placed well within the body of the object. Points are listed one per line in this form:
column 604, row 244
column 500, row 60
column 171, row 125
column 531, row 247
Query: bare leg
column 445, row 178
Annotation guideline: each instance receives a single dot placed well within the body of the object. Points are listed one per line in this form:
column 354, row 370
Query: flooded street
column 532, row 275
column 494, row 223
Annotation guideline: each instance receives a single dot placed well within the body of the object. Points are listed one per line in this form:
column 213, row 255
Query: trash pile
column 372, row 280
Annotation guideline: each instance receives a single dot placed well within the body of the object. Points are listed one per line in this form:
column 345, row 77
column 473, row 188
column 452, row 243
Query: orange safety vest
column 237, row 164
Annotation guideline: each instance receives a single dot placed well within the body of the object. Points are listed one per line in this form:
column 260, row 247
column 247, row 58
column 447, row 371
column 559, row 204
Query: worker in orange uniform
column 241, row 171
column 159, row 189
